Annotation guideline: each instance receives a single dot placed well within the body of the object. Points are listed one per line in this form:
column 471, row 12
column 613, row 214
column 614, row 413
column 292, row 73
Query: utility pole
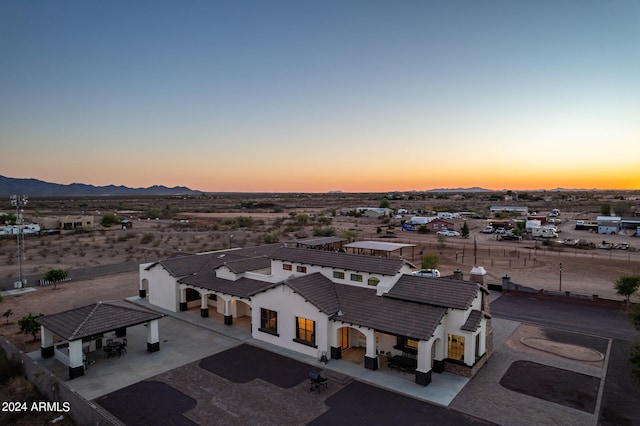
column 560, row 290
column 19, row 201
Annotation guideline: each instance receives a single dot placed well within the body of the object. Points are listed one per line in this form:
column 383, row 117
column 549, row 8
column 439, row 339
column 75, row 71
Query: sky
column 316, row 96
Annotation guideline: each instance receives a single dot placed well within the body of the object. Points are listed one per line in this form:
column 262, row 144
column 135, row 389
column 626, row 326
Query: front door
column 344, row 338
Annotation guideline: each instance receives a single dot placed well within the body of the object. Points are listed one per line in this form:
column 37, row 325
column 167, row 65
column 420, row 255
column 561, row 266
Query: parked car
column 622, row 246
column 605, row 245
column 488, row 230
column 427, row 273
column 500, row 231
column 448, row 233
column 510, row 237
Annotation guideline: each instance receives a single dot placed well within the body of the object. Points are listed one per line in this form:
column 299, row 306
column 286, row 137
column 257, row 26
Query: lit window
column 305, row 331
column 286, row 267
column 406, row 345
column 338, row 274
column 456, row 347
column 268, row 321
column 373, row 281
column 356, row 277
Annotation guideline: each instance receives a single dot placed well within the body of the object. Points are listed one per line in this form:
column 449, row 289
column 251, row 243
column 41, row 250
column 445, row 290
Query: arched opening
column 192, row 297
column 353, row 344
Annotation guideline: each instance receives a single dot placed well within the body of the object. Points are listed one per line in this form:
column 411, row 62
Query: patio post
column 153, row 337
column 46, row 342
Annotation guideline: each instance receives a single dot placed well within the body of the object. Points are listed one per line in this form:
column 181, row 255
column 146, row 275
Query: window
column 286, row 267
column 356, row 277
column 338, row 274
column 456, row 347
column 302, row 269
column 305, row 331
column 405, row 344
column 373, row 281
column 268, row 321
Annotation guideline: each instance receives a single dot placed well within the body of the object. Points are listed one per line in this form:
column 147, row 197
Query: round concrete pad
column 565, row 350
column 149, row 403
column 553, row 384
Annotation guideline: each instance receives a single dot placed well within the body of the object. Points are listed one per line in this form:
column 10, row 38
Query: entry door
column 344, row 338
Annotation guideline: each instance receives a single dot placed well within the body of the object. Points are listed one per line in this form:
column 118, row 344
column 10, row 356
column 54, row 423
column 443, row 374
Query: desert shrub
column 147, row 238
column 109, row 220
column 271, row 237
column 324, row 220
column 126, row 236
column 324, row 231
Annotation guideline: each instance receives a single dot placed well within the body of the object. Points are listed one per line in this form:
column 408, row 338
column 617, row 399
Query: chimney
column 457, row 275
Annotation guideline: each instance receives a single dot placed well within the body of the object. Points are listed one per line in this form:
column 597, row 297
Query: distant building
column 374, row 212
column 67, row 222
column 510, row 210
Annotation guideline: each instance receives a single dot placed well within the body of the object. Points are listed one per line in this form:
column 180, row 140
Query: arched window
column 373, row 281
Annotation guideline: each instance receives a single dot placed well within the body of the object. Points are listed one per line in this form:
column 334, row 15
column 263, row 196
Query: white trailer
column 543, row 232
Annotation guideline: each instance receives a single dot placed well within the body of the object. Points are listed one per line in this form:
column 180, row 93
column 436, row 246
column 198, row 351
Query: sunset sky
column 314, row 96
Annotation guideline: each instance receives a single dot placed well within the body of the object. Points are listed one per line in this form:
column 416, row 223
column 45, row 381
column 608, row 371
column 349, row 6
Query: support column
column 183, row 300
column 371, row 356
column 228, row 318
column 153, row 336
column 76, row 364
column 142, row 292
column 46, row 343
column 423, row 370
column 204, row 306
column 334, row 344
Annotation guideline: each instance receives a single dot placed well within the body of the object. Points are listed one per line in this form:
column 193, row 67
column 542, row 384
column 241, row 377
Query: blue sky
column 318, row 96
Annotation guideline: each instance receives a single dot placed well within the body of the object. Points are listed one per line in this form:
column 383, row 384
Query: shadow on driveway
column 244, row 363
column 149, row 403
column 359, row 403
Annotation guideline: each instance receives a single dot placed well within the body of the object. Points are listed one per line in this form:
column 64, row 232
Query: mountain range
column 39, row 188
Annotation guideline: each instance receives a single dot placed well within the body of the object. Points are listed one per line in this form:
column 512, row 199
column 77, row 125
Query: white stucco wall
column 280, row 274
column 289, row 305
column 163, row 290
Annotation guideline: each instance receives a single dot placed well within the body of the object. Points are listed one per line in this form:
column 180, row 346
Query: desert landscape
column 217, row 222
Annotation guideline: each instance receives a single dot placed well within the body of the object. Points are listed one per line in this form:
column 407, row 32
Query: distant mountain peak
column 38, row 188
column 472, row 189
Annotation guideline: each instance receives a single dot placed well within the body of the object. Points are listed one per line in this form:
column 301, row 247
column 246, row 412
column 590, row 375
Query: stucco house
column 322, row 303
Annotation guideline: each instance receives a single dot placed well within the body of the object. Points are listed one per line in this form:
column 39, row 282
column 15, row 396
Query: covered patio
column 92, row 329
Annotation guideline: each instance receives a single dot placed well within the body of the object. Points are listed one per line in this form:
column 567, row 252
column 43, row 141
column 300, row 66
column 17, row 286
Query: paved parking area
column 252, row 386
column 218, row 379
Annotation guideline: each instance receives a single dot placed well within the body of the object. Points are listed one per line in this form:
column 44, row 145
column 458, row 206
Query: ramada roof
column 362, row 306
column 345, row 261
column 95, row 319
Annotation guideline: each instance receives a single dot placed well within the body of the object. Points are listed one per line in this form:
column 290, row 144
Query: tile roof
column 189, row 264
column 362, row 306
column 318, row 290
column 249, row 264
column 473, row 322
column 434, row 291
column 95, row 319
column 242, row 287
column 352, row 262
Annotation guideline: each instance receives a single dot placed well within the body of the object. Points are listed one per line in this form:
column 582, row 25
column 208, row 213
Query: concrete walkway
column 441, row 391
